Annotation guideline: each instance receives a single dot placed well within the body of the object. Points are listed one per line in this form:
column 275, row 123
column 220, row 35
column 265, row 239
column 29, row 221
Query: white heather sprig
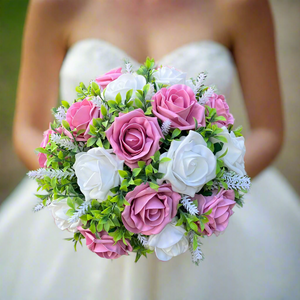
column 82, row 210
column 60, row 115
column 128, row 66
column 165, row 127
column 143, row 240
column 40, row 206
column 43, row 172
column 189, row 205
column 97, row 101
column 199, row 82
column 63, row 142
column 150, row 92
column 234, row 181
column 197, row 254
column 207, row 94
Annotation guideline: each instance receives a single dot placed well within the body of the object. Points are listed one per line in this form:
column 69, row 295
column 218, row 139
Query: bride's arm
column 254, row 53
column 42, row 55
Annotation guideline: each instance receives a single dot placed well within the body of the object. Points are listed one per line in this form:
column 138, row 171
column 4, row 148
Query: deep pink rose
column 105, row 247
column 221, row 204
column 219, row 103
column 150, row 211
column 134, row 137
column 80, row 115
column 42, row 157
column 179, row 105
column 108, row 77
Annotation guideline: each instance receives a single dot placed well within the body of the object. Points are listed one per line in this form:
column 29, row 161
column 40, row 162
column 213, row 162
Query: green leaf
column 129, row 94
column 141, row 164
column 136, row 172
column 154, row 186
column 220, row 118
column 60, row 155
column 221, row 138
column 91, row 141
column 103, row 110
column 65, row 124
column 148, row 111
column 165, row 159
column 99, row 143
column 123, row 174
column 93, row 227
column 175, row 133
column 118, row 98
column 149, row 170
column 224, row 153
column 138, row 103
column 99, row 227
column 65, row 104
column 195, row 242
column 156, row 156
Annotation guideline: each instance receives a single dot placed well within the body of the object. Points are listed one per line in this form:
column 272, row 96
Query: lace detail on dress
column 90, row 58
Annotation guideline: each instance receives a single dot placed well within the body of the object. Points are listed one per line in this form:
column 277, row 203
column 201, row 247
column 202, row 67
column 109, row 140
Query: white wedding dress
column 258, row 256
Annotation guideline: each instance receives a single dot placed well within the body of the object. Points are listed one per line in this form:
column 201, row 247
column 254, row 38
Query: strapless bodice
column 90, row 58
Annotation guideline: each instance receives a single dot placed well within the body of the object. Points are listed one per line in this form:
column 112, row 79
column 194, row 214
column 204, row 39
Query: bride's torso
column 189, row 35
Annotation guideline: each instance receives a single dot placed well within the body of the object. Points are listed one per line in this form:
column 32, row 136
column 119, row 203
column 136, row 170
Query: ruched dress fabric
column 258, row 256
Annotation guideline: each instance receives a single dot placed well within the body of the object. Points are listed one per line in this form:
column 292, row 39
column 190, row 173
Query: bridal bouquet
column 143, row 162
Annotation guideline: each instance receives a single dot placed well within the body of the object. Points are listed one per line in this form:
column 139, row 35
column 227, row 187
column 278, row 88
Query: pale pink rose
column 106, row 246
column 134, row 137
column 42, row 157
column 80, row 115
column 219, row 103
column 179, row 105
column 221, row 204
column 150, row 211
column 108, row 77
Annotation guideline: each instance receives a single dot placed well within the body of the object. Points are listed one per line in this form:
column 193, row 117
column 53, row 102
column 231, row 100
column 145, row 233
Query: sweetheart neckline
column 123, row 52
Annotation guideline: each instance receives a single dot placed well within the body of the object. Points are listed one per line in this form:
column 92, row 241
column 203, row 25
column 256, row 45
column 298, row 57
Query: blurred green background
column 287, row 22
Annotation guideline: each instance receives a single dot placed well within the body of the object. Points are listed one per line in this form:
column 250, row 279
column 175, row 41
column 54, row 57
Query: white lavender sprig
column 207, row 94
column 165, row 128
column 128, row 66
column 40, row 206
column 189, row 205
column 63, row 142
column 197, row 254
column 43, row 172
column 97, row 101
column 234, row 181
column 143, row 240
column 82, row 210
column 60, row 114
column 199, row 82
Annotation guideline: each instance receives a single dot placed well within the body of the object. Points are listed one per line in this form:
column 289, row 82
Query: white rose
column 170, row 242
column 59, row 210
column 97, row 172
column 192, row 164
column 170, row 76
column 234, row 158
column 123, row 84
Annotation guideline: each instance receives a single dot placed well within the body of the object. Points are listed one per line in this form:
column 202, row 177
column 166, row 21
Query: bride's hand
column 253, row 47
column 42, row 55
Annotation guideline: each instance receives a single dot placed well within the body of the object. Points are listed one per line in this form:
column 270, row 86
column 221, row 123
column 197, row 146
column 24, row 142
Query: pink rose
column 221, row 204
column 42, row 157
column 134, row 137
column 150, row 211
column 179, row 105
column 80, row 115
column 108, row 77
column 219, row 103
column 106, row 246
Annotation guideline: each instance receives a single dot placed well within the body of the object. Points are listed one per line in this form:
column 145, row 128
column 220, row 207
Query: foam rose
column 42, row 157
column 179, row 105
column 134, row 137
column 106, row 246
column 80, row 115
column 108, row 77
column 221, row 205
column 149, row 211
column 219, row 103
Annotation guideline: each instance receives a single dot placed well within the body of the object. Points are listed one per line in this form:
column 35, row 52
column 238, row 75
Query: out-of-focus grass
column 12, row 16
